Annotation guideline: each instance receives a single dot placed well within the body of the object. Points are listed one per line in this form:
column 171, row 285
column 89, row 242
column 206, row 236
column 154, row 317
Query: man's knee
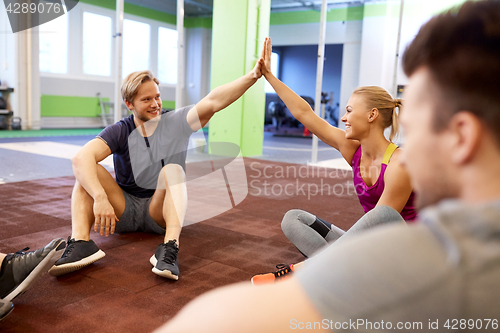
column 171, row 174
column 105, row 179
column 173, row 169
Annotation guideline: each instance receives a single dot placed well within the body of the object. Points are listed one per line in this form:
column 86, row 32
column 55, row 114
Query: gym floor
column 30, row 155
column 119, row 293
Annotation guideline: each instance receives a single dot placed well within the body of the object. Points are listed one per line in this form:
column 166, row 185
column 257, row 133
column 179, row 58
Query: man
column 149, row 193
column 20, row 270
column 442, row 273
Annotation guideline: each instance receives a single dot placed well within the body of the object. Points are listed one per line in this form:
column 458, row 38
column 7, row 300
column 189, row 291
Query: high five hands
column 263, row 65
column 265, row 58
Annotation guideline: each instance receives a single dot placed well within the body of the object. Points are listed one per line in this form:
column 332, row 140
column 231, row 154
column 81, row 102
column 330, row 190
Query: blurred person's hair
column 461, row 49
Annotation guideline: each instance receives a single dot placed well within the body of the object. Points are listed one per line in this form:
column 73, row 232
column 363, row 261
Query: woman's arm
column 397, row 187
column 301, row 110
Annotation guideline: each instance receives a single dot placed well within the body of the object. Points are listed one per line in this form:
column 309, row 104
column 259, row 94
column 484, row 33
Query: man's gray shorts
column 136, row 217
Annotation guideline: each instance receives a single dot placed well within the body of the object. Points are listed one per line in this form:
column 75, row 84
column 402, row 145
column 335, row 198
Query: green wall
column 239, row 29
column 70, row 106
column 313, row 16
column 76, row 106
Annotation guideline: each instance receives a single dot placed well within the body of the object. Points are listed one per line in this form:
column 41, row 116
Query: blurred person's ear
column 465, row 135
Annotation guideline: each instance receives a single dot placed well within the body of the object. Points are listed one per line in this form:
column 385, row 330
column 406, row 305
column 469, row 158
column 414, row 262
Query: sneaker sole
column 6, row 309
column 260, row 281
column 165, row 273
column 74, row 266
column 38, row 271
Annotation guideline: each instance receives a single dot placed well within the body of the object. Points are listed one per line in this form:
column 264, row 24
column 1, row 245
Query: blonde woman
column 382, row 183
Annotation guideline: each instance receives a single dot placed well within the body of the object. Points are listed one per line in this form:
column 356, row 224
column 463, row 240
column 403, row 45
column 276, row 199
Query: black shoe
column 6, row 307
column 21, row 269
column 165, row 260
column 78, row 254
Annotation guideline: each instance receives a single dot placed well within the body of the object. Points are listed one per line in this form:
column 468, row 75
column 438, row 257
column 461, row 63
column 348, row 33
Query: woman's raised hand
column 265, row 58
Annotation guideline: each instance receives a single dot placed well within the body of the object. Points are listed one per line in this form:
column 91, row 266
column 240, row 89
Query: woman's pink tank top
column 369, row 195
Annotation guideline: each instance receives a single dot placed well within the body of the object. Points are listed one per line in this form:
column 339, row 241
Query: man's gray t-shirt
column 440, row 271
column 138, row 159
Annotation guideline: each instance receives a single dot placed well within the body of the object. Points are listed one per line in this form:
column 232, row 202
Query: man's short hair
column 461, row 49
column 132, row 83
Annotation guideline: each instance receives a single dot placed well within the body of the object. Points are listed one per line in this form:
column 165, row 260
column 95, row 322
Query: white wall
column 307, row 33
column 378, row 50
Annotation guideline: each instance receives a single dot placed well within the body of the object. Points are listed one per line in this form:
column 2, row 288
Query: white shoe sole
column 165, row 273
column 37, row 272
column 74, row 266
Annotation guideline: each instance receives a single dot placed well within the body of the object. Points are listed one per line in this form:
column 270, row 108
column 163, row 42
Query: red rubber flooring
column 119, row 293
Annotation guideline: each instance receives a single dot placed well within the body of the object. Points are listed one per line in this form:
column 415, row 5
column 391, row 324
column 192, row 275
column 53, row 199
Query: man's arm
column 85, row 170
column 220, row 98
column 246, row 308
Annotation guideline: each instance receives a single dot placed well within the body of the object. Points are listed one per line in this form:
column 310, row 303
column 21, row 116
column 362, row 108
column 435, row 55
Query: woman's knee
column 384, row 214
column 296, row 217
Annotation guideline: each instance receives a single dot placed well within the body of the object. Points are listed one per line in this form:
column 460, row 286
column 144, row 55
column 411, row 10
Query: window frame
column 75, row 44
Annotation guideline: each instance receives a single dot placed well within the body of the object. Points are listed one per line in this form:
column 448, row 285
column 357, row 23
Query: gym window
column 53, row 56
column 97, row 43
column 136, row 46
column 167, row 55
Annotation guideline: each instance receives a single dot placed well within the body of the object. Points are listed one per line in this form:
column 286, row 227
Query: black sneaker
column 6, row 307
column 165, row 260
column 21, row 269
column 78, row 254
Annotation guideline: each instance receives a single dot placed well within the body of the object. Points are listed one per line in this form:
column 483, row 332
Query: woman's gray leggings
column 309, row 233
